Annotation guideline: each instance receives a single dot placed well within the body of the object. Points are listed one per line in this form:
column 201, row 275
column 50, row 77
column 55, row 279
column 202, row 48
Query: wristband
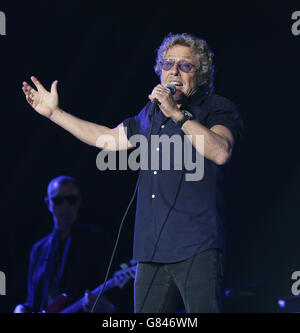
column 186, row 116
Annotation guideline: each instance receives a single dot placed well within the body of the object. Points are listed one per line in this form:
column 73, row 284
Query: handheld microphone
column 171, row 87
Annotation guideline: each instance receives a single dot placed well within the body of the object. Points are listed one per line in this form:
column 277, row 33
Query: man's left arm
column 218, row 140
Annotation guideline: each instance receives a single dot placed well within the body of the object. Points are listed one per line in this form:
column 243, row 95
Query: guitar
column 119, row 279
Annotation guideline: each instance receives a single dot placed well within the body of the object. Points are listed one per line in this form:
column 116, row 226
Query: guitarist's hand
column 103, row 305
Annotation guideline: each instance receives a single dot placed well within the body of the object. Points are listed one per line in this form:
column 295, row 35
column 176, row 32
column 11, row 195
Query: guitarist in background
column 64, row 261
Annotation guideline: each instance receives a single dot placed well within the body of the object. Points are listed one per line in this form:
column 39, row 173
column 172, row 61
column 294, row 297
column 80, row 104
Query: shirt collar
column 193, row 99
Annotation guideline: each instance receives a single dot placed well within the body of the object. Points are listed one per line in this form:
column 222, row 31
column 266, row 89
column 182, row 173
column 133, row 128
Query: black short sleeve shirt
column 176, row 218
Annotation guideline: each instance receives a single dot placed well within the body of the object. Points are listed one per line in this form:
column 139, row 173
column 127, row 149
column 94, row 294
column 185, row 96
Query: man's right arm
column 91, row 133
column 46, row 103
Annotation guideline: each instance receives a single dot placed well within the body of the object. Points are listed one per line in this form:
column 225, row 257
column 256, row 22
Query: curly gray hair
column 202, row 51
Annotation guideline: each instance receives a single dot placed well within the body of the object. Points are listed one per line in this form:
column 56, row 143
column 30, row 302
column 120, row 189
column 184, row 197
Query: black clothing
column 70, row 267
column 177, row 218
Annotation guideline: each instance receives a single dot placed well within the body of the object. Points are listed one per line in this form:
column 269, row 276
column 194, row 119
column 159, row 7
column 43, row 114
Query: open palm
column 42, row 101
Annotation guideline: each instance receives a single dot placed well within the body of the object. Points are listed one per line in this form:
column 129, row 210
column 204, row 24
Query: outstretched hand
column 41, row 100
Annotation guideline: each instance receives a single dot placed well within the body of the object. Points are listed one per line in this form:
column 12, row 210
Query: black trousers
column 197, row 282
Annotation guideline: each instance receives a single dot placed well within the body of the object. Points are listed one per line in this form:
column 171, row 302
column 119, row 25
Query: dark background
column 103, row 57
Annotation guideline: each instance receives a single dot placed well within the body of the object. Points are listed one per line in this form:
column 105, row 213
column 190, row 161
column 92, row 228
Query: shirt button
column 153, row 196
column 157, row 149
column 162, row 126
column 155, row 172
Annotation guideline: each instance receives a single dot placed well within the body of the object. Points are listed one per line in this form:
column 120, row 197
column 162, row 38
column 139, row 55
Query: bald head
column 56, row 182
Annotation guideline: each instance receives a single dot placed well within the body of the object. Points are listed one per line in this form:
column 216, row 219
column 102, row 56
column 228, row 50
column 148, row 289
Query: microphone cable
column 156, row 244
column 152, row 112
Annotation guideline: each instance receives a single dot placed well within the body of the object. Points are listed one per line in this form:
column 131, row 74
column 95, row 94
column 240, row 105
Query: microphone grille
column 171, row 87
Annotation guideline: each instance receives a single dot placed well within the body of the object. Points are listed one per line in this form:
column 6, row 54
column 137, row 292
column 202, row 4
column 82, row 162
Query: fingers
column 37, row 83
column 161, row 89
column 89, row 297
column 86, row 300
column 158, row 93
column 29, row 100
column 27, row 88
column 29, row 92
column 54, row 87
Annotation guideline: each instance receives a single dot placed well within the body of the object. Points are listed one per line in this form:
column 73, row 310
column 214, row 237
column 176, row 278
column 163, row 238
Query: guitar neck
column 77, row 306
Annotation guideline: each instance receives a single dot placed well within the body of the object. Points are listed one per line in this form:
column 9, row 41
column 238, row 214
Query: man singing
column 179, row 238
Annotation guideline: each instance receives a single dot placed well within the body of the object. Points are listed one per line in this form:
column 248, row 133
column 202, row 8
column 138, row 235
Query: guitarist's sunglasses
column 70, row 199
